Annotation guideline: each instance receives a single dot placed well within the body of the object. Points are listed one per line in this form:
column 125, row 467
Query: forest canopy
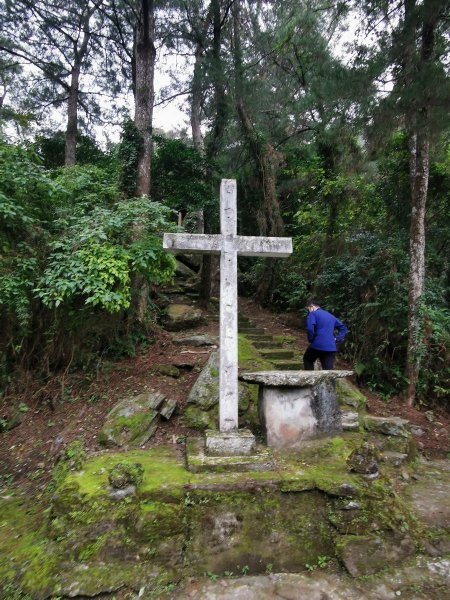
column 333, row 118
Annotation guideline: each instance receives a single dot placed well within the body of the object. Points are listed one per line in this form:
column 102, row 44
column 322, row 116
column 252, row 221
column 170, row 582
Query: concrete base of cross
column 229, row 443
column 261, row 459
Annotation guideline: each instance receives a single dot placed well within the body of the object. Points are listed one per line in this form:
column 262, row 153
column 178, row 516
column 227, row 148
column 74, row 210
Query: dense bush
column 69, row 253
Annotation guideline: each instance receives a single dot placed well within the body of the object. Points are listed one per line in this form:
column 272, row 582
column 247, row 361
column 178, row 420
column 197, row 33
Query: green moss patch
column 23, row 542
column 163, row 470
column 248, row 356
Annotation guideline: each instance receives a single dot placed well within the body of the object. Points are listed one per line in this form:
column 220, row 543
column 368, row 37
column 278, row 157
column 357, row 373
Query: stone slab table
column 296, row 406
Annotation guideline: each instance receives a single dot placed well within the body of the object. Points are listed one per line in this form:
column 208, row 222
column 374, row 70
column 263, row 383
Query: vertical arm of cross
column 228, row 408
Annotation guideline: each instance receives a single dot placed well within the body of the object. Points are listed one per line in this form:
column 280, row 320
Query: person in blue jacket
column 324, row 330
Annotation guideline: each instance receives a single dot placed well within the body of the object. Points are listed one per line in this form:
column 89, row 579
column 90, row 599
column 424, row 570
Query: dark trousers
column 326, row 359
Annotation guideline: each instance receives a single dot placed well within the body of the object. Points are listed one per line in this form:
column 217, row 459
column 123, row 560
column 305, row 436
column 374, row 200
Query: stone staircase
column 272, row 350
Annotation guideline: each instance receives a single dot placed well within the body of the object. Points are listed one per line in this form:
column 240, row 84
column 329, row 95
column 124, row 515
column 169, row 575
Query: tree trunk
column 266, row 158
column 74, row 89
column 144, row 60
column 419, row 171
column 144, row 92
column 419, row 143
column 218, row 128
column 72, row 118
column 196, row 101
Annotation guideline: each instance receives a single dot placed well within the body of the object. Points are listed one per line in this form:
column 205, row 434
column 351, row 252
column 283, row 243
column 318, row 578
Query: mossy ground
column 180, row 523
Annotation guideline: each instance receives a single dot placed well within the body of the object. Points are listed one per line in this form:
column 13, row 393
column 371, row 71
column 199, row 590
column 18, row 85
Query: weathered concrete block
column 230, row 443
column 296, row 406
column 292, row 415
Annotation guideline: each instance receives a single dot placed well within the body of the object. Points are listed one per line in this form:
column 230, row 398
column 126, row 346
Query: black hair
column 312, row 301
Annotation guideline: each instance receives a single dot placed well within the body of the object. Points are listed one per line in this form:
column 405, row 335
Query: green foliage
column 128, row 153
column 351, row 252
column 26, row 197
column 51, row 149
column 95, row 255
column 69, row 244
column 181, row 176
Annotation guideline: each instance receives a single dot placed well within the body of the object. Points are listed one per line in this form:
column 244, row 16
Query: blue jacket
column 321, row 326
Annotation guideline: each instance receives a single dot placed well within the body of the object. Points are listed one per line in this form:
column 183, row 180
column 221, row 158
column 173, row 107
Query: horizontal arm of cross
column 277, row 247
column 194, row 243
column 244, row 245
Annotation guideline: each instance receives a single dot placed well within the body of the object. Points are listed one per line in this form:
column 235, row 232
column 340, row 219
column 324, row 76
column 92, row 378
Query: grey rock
column 417, row 431
column 182, row 316
column 428, row 576
column 168, row 408
column 393, row 426
column 350, row 421
column 197, row 341
column 130, row 490
column 351, row 506
column 395, row 459
column 204, row 393
column 428, row 493
column 183, row 271
column 132, row 421
column 365, row 555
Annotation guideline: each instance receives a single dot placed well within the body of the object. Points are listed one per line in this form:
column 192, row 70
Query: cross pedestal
column 229, row 245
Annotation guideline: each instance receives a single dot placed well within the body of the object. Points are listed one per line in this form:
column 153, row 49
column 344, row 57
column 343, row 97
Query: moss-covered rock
column 179, row 524
column 365, row 555
column 122, row 475
column 391, row 426
column 349, row 395
column 168, row 370
column 229, row 531
column 71, row 459
column 203, row 400
column 200, row 419
column 132, row 421
column 364, row 460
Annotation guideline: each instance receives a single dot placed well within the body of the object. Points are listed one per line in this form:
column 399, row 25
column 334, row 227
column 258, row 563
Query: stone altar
column 296, row 406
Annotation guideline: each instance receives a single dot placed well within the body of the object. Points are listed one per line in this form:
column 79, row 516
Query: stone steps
column 252, row 330
column 258, row 337
column 268, row 344
column 277, row 353
column 282, row 358
column 288, row 365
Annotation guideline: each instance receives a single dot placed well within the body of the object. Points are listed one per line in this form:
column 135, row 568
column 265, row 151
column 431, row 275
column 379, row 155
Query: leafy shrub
column 95, row 255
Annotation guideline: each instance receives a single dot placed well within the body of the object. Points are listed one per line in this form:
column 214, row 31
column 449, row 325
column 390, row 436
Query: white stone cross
column 228, row 244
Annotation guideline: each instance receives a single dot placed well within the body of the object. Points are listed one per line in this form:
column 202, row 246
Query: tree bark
column 145, row 54
column 419, row 172
column 72, row 118
column 213, row 146
column 144, row 61
column 196, row 101
column 266, row 159
column 419, row 144
column 74, row 89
